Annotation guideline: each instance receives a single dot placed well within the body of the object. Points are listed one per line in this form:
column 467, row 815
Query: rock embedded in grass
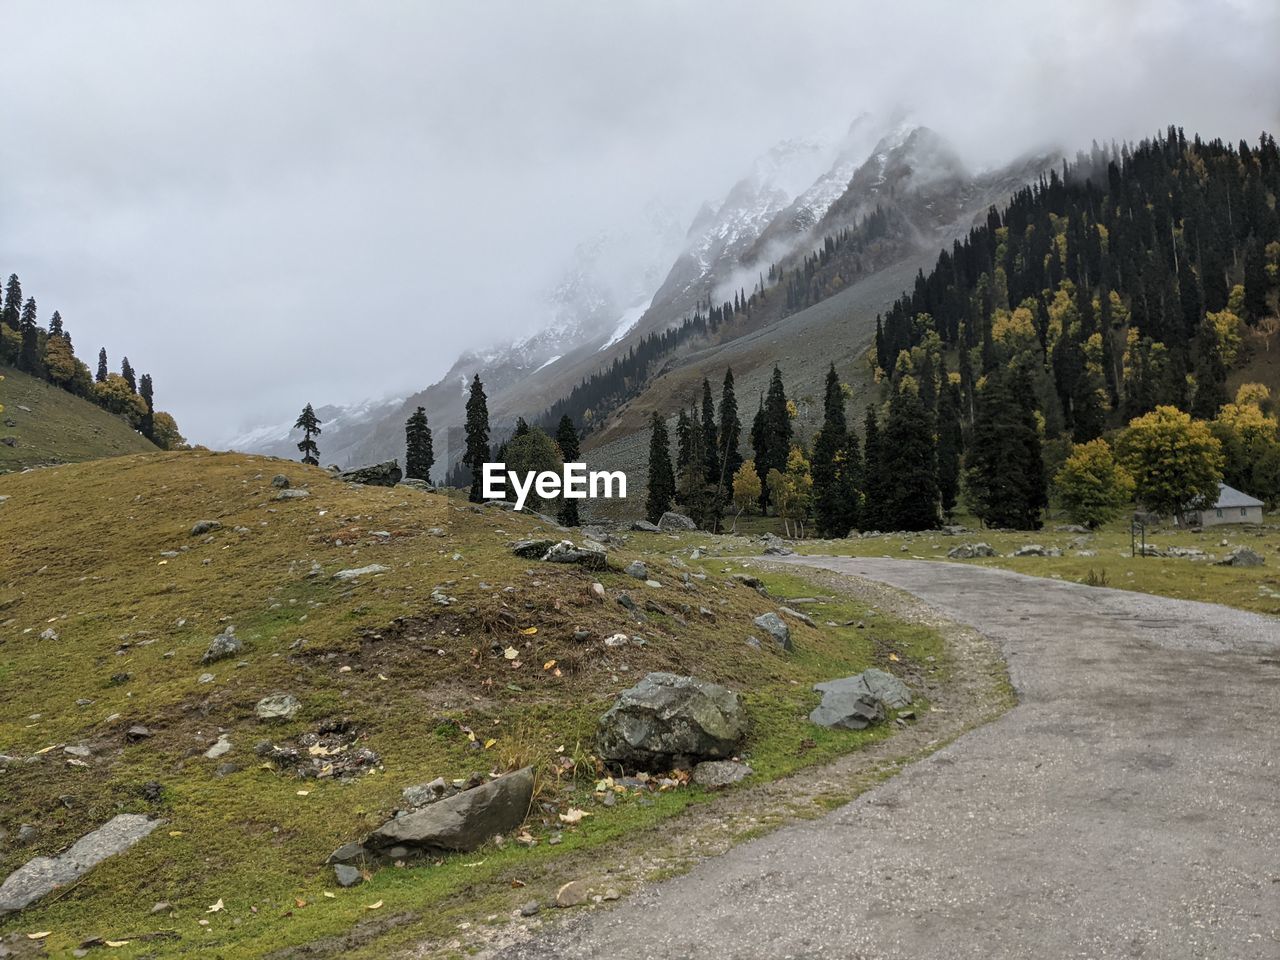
column 201, row 527
column 671, row 521
column 277, row 706
column 224, row 645
column 637, row 569
column 857, row 702
column 293, row 494
column 717, row 774
column 355, row 573
column 666, row 718
column 1242, row 557
column 774, row 625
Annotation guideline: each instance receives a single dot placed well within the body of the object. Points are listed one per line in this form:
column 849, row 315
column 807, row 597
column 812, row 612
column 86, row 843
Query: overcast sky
column 265, row 204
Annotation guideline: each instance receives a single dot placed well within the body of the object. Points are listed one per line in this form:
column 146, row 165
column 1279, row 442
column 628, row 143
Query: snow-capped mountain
column 343, row 428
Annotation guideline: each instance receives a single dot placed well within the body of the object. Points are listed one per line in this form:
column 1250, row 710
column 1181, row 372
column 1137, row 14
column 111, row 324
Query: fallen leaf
column 381, row 677
column 331, row 896
column 299, row 902
column 116, row 943
column 517, row 664
column 217, row 907
column 489, row 743
column 529, row 631
column 303, row 793
column 175, row 833
column 510, row 653
column 556, row 672
column 39, row 936
column 373, row 906
column 893, row 657
column 573, row 815
column 548, row 665
column 42, row 752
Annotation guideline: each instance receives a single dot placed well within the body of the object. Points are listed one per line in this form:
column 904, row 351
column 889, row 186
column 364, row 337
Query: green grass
column 86, row 560
column 57, row 427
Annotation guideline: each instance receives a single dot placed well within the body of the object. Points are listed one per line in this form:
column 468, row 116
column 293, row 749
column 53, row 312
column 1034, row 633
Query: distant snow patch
column 628, row 320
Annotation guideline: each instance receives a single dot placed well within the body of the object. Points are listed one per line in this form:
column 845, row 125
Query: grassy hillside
column 57, row 427
column 108, row 601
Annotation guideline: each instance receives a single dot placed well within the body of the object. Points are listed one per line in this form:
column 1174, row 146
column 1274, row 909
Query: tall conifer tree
column 419, row 452
column 477, row 437
column 309, row 424
column 571, row 452
column 662, row 481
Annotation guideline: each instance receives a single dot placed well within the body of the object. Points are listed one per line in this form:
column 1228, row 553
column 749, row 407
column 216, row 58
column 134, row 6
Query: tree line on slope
column 48, row 354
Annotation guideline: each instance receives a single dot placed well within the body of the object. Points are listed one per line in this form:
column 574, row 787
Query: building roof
column 1231, row 497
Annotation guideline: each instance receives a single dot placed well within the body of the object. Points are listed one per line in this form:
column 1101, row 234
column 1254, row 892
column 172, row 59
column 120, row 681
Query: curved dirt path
column 1128, row 806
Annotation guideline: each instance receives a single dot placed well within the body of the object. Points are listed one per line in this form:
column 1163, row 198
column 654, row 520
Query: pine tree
column 126, row 371
column 730, row 435
column 101, row 375
column 662, row 481
column 834, row 469
column 570, row 451
column 55, row 324
column 13, row 302
column 775, row 434
column 684, row 440
column 419, row 455
column 710, row 435
column 1004, row 468
column 757, row 445
column 309, row 424
column 909, row 459
column 477, row 435
column 29, row 327
column 147, row 427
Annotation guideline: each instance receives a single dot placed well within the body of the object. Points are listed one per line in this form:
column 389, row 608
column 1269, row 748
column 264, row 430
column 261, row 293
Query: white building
column 1232, row 507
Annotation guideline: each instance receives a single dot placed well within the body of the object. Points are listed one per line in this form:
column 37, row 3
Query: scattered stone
column 220, row 748
column 1185, row 553
column 754, row 643
column 644, row 526
column 1242, row 557
column 857, row 702
column 666, row 718
column 755, row 583
column 136, row 733
column 49, row 634
column 77, row 750
column 462, row 822
column 422, row 794
column 967, row 551
column 413, row 483
column 224, row 645
column 716, row 774
column 280, row 481
column 625, row 601
column 675, row 521
column 278, row 706
column 202, row 527
column 572, row 894
column 162, row 907
column 590, row 556
column 530, row 909
column 598, row 590
column 532, row 549
column 27, row 834
column 774, row 625
column 797, row 615
column 385, row 474
column 347, row 875
column 1071, row 528
column 357, row 572
column 1031, row 550
column 42, row 875
column 293, row 494
column 617, row 640
column 637, row 569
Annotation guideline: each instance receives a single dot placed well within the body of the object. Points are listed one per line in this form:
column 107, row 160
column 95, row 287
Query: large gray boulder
column 675, row 521
column 378, row 475
column 666, row 719
column 644, row 526
column 42, row 875
column 461, row 822
column 1242, row 557
column 967, row 551
column 857, row 702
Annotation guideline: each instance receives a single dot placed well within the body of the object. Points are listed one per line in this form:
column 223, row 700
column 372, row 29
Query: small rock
column 293, row 494
column 162, row 907
column 530, row 909
column 226, row 644
column 715, row 774
column 78, row 750
column 356, row 572
column 346, row 875
column 637, row 569
column 797, row 615
column 278, row 706
column 1242, row 557
column 572, row 894
column 280, row 481
column 202, row 527
column 676, row 521
column 220, row 748
column 49, row 634
column 137, row 732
